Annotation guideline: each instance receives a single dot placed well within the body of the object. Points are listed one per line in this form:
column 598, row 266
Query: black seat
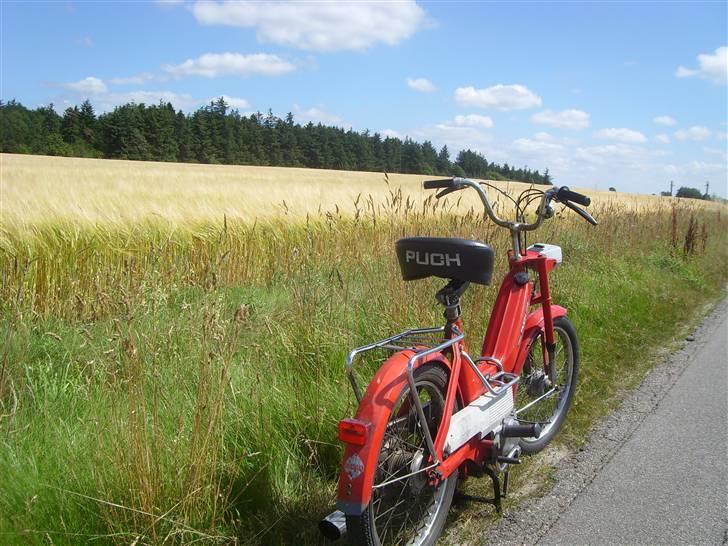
column 448, row 258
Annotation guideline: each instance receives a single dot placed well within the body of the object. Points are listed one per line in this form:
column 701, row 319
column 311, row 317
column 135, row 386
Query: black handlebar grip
column 435, row 184
column 565, row 194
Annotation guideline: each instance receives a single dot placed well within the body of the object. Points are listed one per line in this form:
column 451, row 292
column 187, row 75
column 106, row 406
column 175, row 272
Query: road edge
column 532, row 519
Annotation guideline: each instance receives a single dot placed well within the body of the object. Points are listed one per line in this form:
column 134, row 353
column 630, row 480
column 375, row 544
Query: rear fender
column 533, row 327
column 357, row 472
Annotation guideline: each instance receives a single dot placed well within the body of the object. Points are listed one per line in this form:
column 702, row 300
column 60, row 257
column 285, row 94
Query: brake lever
column 444, row 192
column 581, row 212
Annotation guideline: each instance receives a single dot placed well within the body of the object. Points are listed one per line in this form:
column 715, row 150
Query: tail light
column 353, row 431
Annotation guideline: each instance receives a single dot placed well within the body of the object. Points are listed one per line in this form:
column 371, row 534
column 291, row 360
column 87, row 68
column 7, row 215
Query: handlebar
column 436, row 184
column 563, row 195
column 581, row 212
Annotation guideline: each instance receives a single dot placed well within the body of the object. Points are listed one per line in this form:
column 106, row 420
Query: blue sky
column 623, row 94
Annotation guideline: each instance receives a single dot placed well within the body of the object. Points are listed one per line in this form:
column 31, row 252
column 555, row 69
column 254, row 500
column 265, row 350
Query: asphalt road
column 656, row 472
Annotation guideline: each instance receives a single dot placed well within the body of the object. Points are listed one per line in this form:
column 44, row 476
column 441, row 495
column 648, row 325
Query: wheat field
column 45, row 190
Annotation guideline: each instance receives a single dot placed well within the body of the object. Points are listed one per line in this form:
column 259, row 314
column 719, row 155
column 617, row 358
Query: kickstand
column 496, row 500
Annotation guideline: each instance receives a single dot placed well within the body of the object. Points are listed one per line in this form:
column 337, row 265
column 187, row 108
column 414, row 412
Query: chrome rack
column 417, row 339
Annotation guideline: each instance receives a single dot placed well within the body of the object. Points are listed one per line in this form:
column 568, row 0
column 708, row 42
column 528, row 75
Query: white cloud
column 391, row 133
column 213, row 65
column 712, row 67
column 542, row 154
column 179, row 101
column 151, row 97
column 543, row 135
column 87, row 86
column 663, row 138
column 704, row 166
column 720, row 152
column 233, row 102
column 621, row 135
column 85, row 41
column 105, row 100
column 500, row 97
column 664, row 120
column 566, row 119
column 543, row 151
column 473, row 120
column 459, row 138
column 422, row 85
column 318, row 115
column 608, row 152
column 696, row 132
column 137, row 79
column 538, row 146
column 318, row 26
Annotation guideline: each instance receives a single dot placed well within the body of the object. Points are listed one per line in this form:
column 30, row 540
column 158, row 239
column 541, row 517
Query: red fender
column 360, row 461
column 535, row 318
column 534, row 325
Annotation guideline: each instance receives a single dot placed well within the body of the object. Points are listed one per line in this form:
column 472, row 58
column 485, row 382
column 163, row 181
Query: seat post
column 449, row 297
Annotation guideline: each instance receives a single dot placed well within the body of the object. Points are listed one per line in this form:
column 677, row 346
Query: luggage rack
column 417, row 339
column 425, row 341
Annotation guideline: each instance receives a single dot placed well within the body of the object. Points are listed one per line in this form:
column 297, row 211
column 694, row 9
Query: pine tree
column 412, row 160
column 442, row 165
column 87, row 123
column 429, row 158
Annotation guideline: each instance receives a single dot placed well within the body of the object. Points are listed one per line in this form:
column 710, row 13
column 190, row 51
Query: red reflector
column 353, row 432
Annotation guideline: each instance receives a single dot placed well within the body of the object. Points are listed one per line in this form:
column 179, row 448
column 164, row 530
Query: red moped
column 432, row 414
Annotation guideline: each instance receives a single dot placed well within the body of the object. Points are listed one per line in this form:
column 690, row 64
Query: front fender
column 356, row 477
column 535, row 318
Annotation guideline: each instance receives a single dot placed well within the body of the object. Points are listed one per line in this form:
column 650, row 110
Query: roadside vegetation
column 173, row 382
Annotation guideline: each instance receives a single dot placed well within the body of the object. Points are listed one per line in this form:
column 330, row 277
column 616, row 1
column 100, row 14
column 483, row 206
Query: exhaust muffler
column 333, row 526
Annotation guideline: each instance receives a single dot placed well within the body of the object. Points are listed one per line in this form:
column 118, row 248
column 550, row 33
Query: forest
column 218, row 134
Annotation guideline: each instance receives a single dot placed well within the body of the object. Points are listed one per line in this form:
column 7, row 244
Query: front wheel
column 538, row 400
column 404, row 508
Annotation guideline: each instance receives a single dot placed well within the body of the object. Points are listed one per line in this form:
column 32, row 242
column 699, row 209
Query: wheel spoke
column 398, row 503
column 404, row 510
column 533, row 406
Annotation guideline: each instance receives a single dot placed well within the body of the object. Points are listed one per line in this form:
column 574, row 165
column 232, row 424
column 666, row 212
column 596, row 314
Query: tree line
column 218, row 134
column 691, row 193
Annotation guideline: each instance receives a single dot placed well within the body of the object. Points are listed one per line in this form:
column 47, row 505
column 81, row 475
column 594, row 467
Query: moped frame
column 507, row 341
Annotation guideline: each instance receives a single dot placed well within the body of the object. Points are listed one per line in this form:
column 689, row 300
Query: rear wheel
column 404, row 508
column 537, row 399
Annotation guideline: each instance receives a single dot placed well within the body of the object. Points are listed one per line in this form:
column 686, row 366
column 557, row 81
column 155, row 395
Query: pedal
column 521, row 431
column 508, row 460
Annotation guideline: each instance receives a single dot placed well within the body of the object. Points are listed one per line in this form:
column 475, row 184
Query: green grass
column 160, row 384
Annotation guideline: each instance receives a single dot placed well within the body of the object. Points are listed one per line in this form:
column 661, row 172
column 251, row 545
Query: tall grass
column 166, row 382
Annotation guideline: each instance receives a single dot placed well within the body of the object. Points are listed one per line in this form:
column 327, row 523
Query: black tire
column 550, row 412
column 418, row 513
